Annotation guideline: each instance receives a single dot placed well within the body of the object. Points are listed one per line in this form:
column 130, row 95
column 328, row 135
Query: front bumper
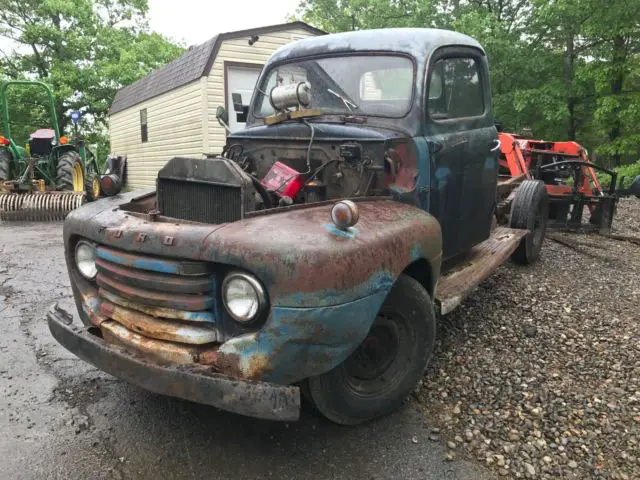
column 195, row 383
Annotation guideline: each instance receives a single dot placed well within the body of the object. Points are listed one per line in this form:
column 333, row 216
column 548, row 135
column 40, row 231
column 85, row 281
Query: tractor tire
column 92, row 186
column 5, row 164
column 385, row 368
column 530, row 211
column 70, row 174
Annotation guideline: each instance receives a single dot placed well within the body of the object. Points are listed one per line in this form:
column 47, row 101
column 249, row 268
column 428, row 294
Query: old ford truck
column 314, row 255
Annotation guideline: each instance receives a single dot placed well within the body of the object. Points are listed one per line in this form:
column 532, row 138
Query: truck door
column 463, row 146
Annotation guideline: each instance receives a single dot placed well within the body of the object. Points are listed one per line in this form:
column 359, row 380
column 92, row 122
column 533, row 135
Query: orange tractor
column 577, row 201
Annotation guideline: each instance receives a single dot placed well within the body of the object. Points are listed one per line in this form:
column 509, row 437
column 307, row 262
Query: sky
column 195, row 21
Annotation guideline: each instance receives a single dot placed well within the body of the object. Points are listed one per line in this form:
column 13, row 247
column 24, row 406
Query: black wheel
column 5, row 164
column 377, row 377
column 530, row 211
column 70, row 172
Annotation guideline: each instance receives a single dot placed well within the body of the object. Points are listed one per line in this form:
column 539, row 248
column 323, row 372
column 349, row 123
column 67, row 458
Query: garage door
column 240, row 80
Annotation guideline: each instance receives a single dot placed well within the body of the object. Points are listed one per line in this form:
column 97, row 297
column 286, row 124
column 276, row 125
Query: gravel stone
column 529, row 469
column 540, row 365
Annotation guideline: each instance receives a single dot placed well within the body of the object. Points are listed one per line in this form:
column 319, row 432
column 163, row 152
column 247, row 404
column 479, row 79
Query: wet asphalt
column 61, row 418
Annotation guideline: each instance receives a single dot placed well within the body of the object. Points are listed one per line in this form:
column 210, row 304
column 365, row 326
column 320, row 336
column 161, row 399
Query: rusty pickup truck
column 312, row 257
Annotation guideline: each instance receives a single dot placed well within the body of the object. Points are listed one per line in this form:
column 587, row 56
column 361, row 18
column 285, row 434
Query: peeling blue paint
column 154, row 265
column 381, row 281
column 349, row 233
column 297, row 343
column 416, row 251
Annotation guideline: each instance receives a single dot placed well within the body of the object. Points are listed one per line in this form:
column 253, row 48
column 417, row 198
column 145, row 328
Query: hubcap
column 375, row 353
column 77, row 178
column 379, row 363
column 96, row 187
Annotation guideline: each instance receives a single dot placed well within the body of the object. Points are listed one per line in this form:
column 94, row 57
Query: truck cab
column 316, row 253
column 403, row 112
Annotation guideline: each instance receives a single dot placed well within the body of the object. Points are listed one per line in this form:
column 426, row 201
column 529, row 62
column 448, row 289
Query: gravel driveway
column 538, row 374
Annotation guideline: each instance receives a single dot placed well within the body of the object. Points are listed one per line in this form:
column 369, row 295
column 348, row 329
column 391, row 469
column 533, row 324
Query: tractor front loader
column 577, row 201
column 49, row 176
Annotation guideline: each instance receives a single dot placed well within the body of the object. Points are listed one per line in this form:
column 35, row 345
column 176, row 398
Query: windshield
column 364, row 85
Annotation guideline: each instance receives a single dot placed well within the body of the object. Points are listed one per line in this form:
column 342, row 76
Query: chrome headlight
column 86, row 260
column 243, row 296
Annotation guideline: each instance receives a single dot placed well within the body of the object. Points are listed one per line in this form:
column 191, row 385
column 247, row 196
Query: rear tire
column 5, row 164
column 70, row 168
column 385, row 368
column 530, row 211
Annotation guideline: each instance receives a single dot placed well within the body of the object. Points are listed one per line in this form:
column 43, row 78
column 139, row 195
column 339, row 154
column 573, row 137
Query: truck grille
column 199, row 202
column 167, row 300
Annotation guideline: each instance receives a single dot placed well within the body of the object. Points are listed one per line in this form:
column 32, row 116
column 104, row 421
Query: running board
column 475, row 267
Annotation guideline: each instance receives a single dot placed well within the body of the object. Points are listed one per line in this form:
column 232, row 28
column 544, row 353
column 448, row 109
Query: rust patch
column 483, row 259
column 148, row 297
column 155, row 311
column 173, row 330
column 158, row 350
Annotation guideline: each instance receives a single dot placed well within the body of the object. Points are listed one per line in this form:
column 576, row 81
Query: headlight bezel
column 93, row 248
column 258, row 288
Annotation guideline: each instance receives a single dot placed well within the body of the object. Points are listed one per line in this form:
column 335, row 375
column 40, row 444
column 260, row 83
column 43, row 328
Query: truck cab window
column 455, row 89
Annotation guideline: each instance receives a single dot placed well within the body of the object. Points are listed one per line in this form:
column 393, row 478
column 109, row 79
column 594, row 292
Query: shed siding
column 175, row 127
column 238, row 50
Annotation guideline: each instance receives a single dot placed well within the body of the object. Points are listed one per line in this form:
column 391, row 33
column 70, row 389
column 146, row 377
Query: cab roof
column 418, row 42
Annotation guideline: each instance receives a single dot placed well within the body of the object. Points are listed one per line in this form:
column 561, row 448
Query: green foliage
column 629, row 172
column 85, row 50
column 567, row 69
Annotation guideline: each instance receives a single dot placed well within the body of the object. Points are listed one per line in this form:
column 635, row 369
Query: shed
column 172, row 111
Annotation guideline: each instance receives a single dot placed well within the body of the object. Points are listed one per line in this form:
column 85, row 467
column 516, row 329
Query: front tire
column 378, row 376
column 530, row 211
column 5, row 164
column 70, row 172
column 92, row 187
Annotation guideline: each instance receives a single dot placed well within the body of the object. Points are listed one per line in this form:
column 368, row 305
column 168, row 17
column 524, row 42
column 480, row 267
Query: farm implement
column 577, row 200
column 50, row 175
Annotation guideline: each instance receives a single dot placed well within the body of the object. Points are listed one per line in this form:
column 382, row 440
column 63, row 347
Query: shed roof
column 196, row 62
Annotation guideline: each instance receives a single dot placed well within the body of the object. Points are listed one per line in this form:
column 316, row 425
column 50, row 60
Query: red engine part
column 283, row 180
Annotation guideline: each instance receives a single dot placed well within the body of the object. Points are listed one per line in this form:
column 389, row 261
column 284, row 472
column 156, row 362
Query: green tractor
column 47, row 177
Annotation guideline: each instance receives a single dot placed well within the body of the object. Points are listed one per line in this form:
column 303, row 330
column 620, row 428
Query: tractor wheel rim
column 95, row 184
column 78, row 178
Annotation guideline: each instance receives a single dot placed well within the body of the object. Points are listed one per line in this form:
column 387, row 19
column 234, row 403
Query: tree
column 84, row 49
column 567, row 69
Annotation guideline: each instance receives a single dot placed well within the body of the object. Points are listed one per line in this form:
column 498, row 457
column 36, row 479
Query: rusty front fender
column 300, row 256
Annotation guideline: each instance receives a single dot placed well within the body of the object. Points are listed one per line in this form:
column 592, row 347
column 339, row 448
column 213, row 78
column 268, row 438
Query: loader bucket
column 48, row 206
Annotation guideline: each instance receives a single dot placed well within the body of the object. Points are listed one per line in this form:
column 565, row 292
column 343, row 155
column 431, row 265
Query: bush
column 628, row 171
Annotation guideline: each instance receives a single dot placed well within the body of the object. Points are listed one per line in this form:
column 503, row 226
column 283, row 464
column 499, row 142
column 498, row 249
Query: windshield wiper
column 344, row 100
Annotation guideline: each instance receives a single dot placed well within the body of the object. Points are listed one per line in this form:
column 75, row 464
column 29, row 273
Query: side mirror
column 223, row 118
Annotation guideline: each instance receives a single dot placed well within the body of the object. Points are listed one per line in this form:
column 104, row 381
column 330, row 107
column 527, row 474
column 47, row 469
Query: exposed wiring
column 320, row 169
column 308, row 159
column 313, row 132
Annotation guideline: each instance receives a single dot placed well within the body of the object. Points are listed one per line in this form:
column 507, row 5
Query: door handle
column 495, row 145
